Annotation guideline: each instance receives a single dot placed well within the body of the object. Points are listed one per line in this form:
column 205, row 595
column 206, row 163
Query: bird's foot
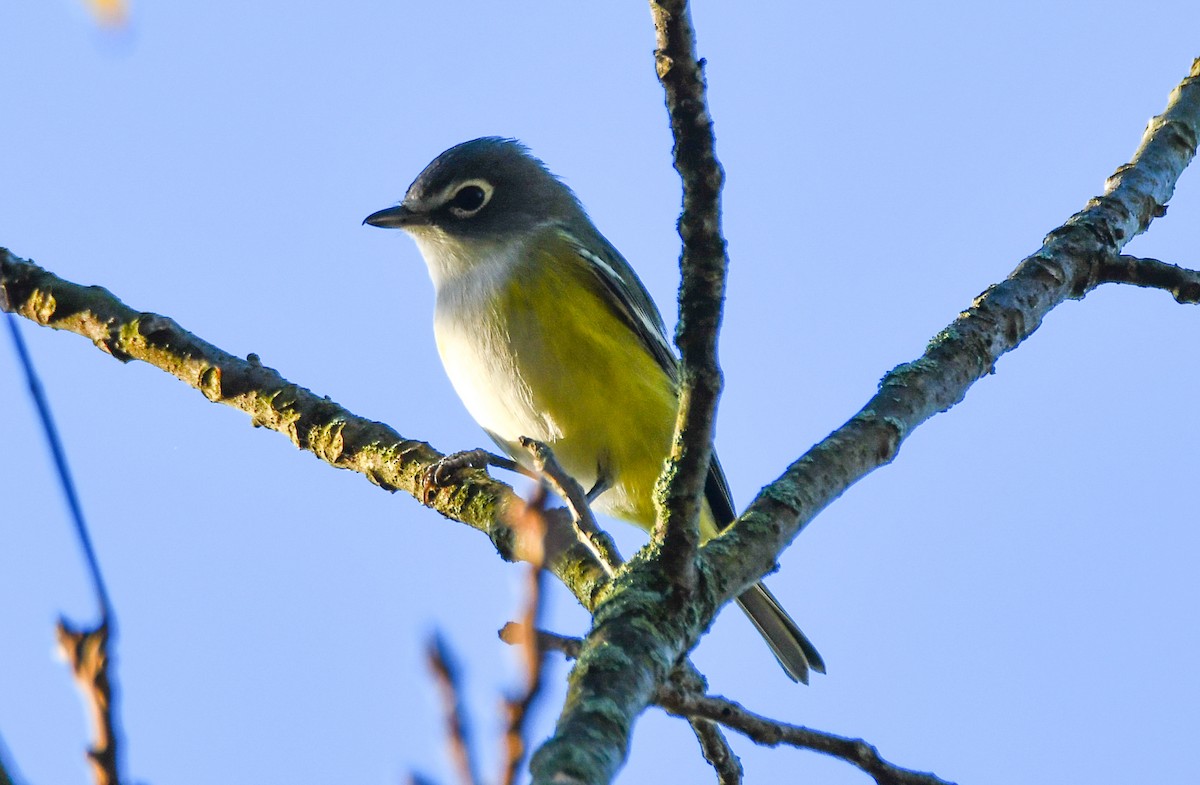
column 443, row 472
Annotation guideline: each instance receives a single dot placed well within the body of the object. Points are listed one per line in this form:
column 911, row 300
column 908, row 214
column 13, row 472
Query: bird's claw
column 442, row 473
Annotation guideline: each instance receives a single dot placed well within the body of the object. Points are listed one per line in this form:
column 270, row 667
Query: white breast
column 473, row 341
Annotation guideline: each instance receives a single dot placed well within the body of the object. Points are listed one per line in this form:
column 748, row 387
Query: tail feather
column 793, row 650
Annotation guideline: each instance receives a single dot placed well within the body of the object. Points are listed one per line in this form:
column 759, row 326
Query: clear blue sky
column 1012, row 601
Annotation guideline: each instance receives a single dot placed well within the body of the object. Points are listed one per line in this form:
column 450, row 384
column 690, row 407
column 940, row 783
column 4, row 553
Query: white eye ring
column 470, row 196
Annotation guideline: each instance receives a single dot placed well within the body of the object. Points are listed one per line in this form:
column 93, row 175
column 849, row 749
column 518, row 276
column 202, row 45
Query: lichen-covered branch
column 1072, row 259
column 637, row 638
column 702, row 266
column 592, row 735
column 312, row 422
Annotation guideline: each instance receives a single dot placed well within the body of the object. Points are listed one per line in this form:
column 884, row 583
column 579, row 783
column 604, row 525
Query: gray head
column 484, row 190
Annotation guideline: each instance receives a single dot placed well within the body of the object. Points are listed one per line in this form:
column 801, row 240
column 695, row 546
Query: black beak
column 398, row 217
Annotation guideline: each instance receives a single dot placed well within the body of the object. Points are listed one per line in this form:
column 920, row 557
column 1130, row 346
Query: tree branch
column 967, row 349
column 717, row 751
column 683, row 695
column 640, row 645
column 312, row 422
column 1182, row 283
column 592, row 736
column 702, row 266
column 684, row 703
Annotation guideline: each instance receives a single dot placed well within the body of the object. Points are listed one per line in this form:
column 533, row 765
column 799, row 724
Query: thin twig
column 86, row 651
column 1183, row 284
column 63, row 470
column 514, row 634
column 683, row 696
column 446, row 674
column 773, row 733
column 716, row 750
column 566, row 486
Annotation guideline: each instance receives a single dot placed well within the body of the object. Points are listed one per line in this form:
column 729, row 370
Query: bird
column 547, row 333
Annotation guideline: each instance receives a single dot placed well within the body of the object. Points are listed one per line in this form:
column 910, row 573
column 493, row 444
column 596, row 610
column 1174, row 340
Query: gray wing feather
column 629, row 296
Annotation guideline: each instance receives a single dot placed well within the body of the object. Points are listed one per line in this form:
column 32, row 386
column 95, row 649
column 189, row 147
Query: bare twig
column 683, row 695
column 63, row 471
column 530, row 523
column 717, row 751
column 514, row 634
column 592, row 735
column 772, row 733
column 86, row 650
column 566, row 486
column 446, row 673
column 1182, row 283
column 518, row 708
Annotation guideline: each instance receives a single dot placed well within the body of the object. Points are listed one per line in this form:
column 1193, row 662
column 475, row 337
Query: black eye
column 468, row 199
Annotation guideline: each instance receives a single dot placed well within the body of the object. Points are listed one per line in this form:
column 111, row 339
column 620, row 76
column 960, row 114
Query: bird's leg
column 602, row 485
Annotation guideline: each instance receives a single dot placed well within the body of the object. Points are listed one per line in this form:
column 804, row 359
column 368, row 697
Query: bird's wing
column 620, row 286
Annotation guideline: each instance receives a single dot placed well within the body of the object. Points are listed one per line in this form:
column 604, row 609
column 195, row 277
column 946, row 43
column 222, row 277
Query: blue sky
column 1012, row 601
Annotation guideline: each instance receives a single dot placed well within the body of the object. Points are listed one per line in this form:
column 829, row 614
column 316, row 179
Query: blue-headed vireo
column 546, row 332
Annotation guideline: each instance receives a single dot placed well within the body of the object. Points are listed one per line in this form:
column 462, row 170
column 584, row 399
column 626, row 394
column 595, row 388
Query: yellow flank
column 587, row 372
column 611, row 406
